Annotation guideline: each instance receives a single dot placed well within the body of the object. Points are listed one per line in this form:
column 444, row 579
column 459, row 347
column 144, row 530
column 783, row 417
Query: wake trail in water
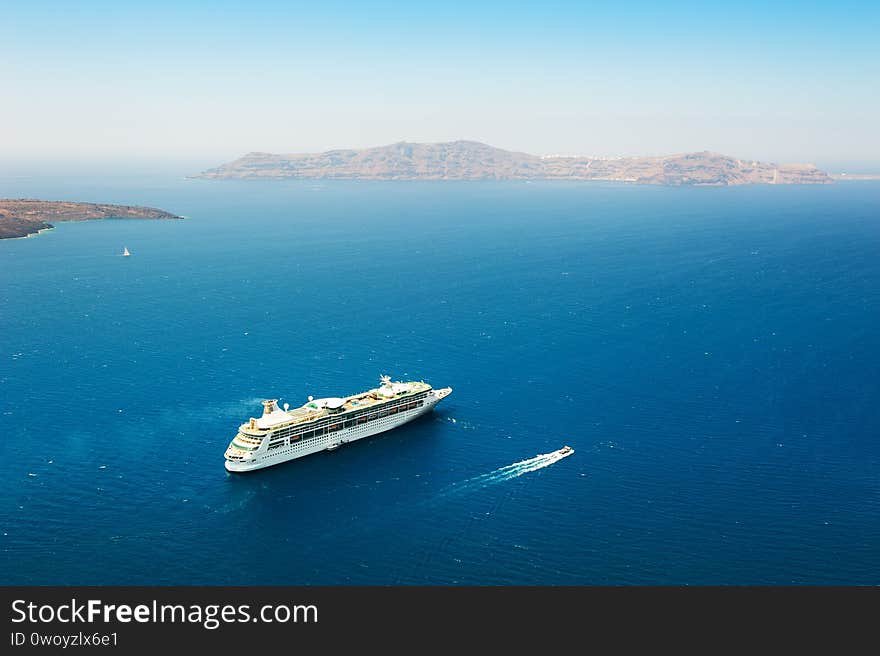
column 389, row 515
column 238, row 408
column 508, row 472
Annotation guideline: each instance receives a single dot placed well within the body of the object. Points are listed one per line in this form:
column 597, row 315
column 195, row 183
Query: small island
column 471, row 160
column 21, row 217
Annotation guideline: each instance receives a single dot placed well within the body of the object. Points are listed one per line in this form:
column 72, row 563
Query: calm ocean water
column 712, row 355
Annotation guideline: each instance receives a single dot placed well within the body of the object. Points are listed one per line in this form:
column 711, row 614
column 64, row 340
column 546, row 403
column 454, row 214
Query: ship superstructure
column 323, row 424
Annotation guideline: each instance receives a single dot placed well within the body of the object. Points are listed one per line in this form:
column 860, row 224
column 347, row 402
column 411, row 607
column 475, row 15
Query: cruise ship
column 326, row 424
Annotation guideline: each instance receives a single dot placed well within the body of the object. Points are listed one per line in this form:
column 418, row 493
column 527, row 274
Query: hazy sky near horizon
column 784, row 81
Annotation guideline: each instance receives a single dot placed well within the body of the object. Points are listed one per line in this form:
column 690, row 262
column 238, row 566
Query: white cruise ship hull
column 332, row 441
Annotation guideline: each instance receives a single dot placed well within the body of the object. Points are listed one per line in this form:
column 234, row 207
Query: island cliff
column 20, row 217
column 471, row 160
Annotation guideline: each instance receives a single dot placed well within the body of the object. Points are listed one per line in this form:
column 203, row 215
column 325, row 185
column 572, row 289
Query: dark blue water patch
column 709, row 353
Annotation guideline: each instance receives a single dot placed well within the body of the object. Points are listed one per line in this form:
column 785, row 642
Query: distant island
column 20, row 217
column 471, row 160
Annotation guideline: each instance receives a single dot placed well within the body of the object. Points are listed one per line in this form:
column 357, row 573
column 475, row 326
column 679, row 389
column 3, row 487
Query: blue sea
column 711, row 354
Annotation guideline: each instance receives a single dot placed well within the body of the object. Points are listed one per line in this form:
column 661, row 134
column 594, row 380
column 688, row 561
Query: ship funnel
column 269, row 406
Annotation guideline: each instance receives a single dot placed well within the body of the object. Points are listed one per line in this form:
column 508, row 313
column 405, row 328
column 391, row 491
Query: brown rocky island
column 471, row 160
column 20, row 217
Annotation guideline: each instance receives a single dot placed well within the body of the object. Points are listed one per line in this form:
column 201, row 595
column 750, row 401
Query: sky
column 207, row 82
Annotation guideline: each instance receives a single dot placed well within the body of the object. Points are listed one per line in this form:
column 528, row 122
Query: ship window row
column 397, row 401
column 244, row 447
column 388, row 404
column 352, row 423
column 407, row 402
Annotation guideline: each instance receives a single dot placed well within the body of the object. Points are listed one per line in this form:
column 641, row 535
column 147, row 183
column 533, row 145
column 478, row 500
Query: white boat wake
column 387, row 515
column 510, row 471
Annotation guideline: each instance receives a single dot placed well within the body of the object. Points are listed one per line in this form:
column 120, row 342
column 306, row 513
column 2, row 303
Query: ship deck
column 310, row 411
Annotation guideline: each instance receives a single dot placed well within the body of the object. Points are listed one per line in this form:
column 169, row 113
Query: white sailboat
column 125, row 252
